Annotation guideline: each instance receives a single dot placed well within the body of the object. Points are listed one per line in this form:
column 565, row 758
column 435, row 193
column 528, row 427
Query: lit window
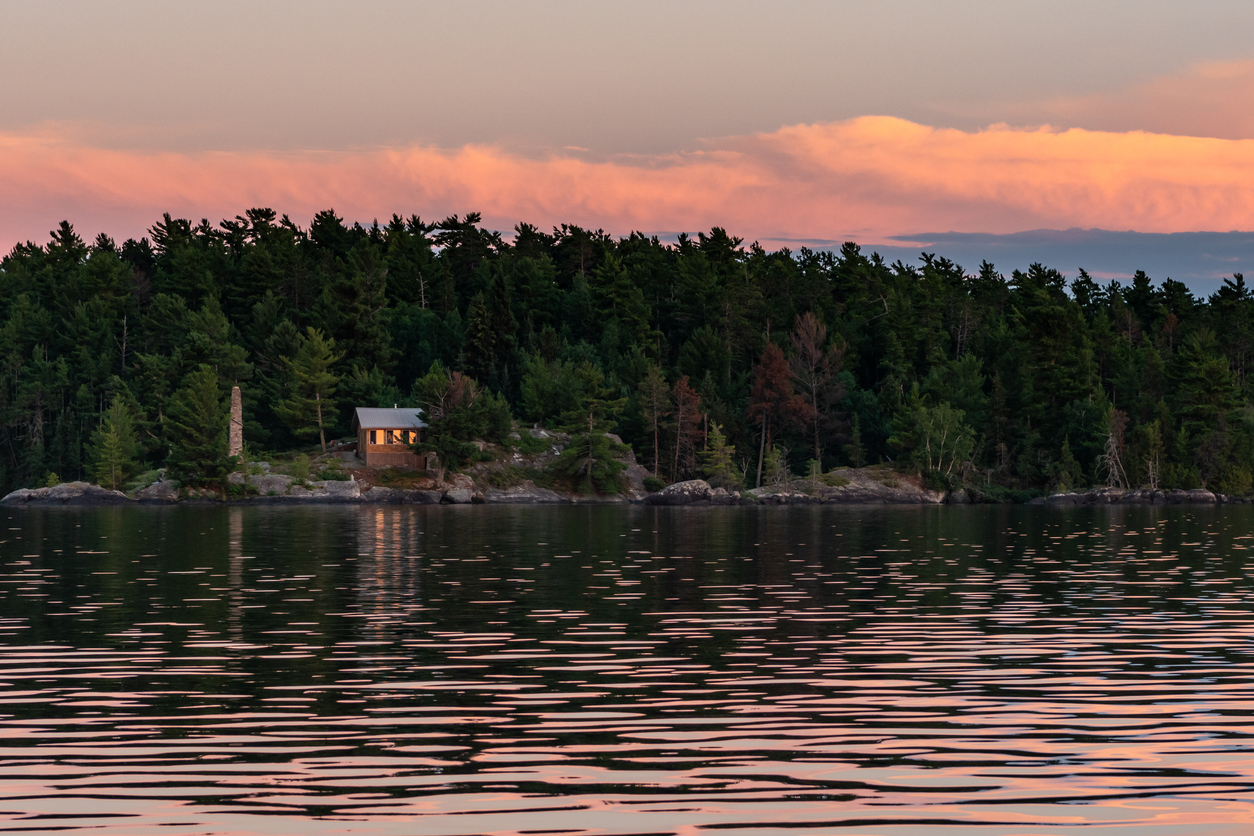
column 374, row 437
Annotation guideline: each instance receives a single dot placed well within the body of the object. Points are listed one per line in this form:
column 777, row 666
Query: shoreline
column 694, row 493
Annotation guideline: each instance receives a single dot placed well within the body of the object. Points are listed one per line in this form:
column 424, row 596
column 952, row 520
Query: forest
column 709, row 357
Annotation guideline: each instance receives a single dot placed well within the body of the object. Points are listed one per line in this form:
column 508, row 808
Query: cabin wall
column 382, row 455
column 388, row 455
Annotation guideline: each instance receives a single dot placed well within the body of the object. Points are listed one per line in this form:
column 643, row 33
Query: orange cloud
column 863, row 179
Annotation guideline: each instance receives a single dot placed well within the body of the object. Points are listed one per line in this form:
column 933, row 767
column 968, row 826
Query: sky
column 1079, row 134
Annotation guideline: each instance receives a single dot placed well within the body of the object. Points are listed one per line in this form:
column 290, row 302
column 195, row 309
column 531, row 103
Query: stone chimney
column 235, row 444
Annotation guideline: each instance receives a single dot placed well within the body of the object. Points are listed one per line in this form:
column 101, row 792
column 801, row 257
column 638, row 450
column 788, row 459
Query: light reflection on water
column 626, row 670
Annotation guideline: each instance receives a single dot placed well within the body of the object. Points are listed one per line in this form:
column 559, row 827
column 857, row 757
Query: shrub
column 234, row 491
column 506, row 477
column 333, row 471
column 143, row 480
column 934, row 480
column 299, row 469
column 653, row 484
column 532, row 446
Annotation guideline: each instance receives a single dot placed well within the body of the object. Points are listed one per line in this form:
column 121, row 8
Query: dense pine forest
column 707, row 356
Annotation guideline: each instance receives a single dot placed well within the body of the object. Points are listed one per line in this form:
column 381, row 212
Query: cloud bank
column 1211, row 99
column 865, row 179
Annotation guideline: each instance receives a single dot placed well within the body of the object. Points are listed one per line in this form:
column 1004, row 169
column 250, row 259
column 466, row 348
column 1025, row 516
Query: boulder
column 160, row 492
column 681, row 493
column 958, row 497
column 459, row 481
column 339, row 490
column 459, row 496
column 267, row 482
column 68, row 493
column 871, row 486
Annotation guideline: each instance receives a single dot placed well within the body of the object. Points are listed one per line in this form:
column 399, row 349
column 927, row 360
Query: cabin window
column 374, row 437
column 389, row 436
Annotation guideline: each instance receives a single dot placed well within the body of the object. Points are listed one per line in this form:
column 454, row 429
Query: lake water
column 613, row 670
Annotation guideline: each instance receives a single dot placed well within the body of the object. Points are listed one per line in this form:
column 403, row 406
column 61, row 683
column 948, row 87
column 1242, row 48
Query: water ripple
column 627, row 671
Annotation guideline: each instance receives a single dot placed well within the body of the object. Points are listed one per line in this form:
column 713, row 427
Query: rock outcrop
column 68, row 493
column 681, row 493
column 1144, row 496
column 265, row 484
column 525, row 493
column 326, row 491
column 161, row 492
column 401, row 496
column 692, row 492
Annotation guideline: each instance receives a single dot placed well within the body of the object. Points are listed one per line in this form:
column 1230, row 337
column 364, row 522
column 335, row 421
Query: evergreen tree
column 655, row 404
column 854, row 448
column 592, row 457
column 479, row 351
column 115, row 446
column 717, row 465
column 196, row 429
column 311, row 392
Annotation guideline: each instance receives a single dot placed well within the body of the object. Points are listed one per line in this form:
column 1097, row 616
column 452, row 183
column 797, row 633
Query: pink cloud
column 863, row 179
column 1213, row 99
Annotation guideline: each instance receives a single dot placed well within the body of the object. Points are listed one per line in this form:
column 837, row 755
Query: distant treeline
column 119, row 358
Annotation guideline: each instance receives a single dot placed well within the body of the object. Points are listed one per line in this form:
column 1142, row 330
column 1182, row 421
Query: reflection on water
column 627, row 670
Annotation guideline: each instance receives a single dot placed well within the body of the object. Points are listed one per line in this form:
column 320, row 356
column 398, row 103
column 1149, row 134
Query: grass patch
column 391, row 477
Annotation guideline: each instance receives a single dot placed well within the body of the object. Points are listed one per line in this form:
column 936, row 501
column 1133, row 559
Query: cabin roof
column 372, row 418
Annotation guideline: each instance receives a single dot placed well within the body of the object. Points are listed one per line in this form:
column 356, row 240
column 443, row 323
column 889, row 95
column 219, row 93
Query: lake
column 627, row 670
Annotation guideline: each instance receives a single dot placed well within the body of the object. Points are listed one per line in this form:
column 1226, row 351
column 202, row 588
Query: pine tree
column 775, row 467
column 312, row 387
column 1067, row 472
column 196, row 428
column 479, row 351
column 592, row 456
column 655, row 404
column 854, row 448
column 717, row 465
column 115, row 446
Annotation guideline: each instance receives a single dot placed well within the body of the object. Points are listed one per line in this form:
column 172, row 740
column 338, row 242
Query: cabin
column 384, row 436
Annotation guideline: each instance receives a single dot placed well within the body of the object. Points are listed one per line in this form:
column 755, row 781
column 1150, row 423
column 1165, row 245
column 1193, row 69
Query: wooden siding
column 385, row 455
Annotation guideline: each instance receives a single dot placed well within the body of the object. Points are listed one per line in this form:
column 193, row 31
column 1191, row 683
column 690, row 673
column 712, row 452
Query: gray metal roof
column 372, row 418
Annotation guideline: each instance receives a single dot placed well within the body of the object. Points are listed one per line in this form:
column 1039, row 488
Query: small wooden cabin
column 384, row 436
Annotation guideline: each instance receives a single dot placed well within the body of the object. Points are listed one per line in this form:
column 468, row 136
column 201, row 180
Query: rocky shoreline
column 851, row 488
